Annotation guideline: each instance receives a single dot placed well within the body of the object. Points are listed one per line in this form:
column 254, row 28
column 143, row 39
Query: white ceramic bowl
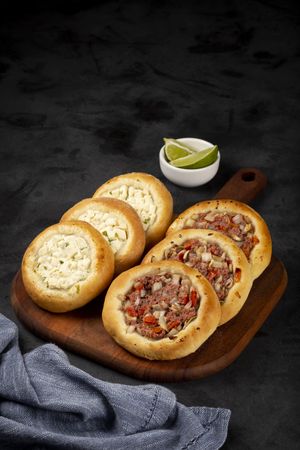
column 189, row 177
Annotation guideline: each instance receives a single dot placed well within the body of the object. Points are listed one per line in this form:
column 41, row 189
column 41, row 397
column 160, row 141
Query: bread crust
column 160, row 194
column 238, row 293
column 260, row 255
column 187, row 341
column 132, row 250
column 62, row 300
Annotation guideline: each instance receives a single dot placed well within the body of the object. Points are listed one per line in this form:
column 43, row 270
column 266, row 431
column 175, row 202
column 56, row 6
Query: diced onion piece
column 172, row 332
column 229, row 283
column 176, row 278
column 175, row 307
column 235, row 237
column 217, row 264
column 162, row 322
column 190, row 223
column 210, row 217
column 237, row 219
column 185, row 282
column 217, row 286
column 206, row 256
column 202, row 224
column 156, row 286
column 185, row 256
column 156, row 307
column 247, row 228
column 187, row 322
column 164, row 305
column 217, row 258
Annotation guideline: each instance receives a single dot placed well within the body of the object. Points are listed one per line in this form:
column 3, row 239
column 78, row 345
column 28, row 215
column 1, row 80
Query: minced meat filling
column 237, row 226
column 210, row 260
column 160, row 305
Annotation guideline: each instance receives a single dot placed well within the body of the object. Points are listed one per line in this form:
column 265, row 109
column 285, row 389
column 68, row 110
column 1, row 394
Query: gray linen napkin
column 46, row 403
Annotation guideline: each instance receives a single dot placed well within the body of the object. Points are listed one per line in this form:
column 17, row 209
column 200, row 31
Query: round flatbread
column 118, row 223
column 163, row 310
column 67, row 265
column 237, row 220
column 148, row 196
column 216, row 257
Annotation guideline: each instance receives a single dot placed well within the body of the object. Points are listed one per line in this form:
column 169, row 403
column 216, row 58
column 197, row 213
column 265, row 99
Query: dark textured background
column 88, row 90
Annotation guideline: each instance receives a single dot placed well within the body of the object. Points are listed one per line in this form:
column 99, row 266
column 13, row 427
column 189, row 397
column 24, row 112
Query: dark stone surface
column 88, row 90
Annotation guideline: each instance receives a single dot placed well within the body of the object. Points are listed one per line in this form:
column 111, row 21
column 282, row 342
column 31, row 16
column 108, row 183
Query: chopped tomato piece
column 173, row 324
column 246, row 247
column 255, row 240
column 181, row 255
column 157, row 329
column 187, row 245
column 150, row 319
column 211, row 275
column 237, row 275
column 142, row 310
column 131, row 311
column 194, row 297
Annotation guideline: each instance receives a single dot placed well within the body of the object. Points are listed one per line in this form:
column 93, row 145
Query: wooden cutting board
column 82, row 331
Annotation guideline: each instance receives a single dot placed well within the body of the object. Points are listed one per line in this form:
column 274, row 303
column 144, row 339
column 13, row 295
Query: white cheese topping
column 63, row 261
column 113, row 229
column 140, row 199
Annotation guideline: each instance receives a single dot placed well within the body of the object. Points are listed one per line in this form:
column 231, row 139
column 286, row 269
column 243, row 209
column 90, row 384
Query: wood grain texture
column 244, row 185
column 82, row 331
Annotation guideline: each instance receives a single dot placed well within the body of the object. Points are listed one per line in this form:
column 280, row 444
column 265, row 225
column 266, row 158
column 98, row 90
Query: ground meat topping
column 160, row 305
column 210, row 260
column 237, row 226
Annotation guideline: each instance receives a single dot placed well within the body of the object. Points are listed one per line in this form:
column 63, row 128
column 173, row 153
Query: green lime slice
column 175, row 149
column 196, row 160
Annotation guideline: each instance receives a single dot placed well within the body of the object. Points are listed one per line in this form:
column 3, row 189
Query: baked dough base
column 160, row 194
column 100, row 274
column 132, row 250
column 239, row 292
column 261, row 253
column 187, row 340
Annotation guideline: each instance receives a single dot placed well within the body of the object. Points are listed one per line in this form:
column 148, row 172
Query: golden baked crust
column 261, row 253
column 148, row 196
column 113, row 217
column 238, row 293
column 187, row 340
column 67, row 265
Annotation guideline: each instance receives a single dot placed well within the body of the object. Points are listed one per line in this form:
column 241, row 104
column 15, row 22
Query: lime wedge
column 175, row 149
column 196, row 160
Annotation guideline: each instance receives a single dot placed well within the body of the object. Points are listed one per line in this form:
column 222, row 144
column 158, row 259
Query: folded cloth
column 46, row 403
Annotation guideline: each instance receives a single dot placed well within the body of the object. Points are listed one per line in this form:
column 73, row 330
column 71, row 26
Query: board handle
column 244, row 185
